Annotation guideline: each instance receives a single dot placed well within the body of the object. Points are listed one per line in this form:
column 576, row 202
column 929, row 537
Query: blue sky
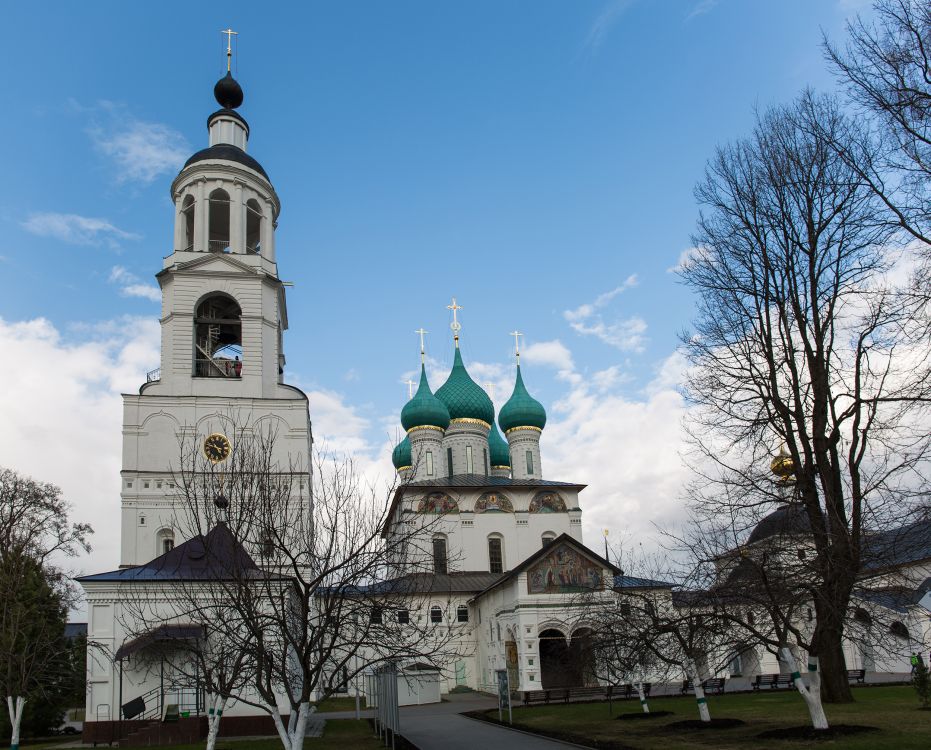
column 534, row 158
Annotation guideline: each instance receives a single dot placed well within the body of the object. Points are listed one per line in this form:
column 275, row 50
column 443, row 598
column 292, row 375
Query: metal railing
column 217, row 367
column 152, row 375
column 218, row 246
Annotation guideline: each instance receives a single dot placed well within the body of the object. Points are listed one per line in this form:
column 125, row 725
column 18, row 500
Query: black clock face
column 217, row 448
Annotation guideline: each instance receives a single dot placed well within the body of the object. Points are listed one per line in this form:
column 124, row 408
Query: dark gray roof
column 906, row 544
column 457, row 582
column 791, row 518
column 632, row 582
column 226, row 152
column 480, row 480
column 165, row 632
column 215, row 556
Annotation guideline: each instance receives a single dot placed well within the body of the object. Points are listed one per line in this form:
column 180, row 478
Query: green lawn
column 891, row 709
column 340, row 703
column 338, row 735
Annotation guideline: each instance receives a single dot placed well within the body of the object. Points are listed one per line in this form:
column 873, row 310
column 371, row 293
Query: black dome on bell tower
column 228, row 92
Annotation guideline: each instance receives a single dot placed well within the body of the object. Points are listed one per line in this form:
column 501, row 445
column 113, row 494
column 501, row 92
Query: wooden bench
column 711, row 685
column 582, row 693
column 857, row 674
column 628, row 691
column 772, row 681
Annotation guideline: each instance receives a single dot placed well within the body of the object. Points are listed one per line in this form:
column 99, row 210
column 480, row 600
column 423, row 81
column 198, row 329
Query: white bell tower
column 223, row 321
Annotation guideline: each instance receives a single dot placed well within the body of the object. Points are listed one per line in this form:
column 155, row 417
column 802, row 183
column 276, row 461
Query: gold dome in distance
column 782, row 465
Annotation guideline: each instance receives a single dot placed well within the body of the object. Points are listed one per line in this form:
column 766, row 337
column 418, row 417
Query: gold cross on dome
column 516, row 335
column 422, row 333
column 455, row 325
column 410, row 388
column 229, row 46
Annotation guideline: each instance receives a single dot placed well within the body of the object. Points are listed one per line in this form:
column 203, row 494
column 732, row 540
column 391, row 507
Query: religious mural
column 563, row 570
column 547, row 502
column 493, row 501
column 437, row 502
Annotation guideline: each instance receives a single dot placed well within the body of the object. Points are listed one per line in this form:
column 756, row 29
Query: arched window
column 253, row 227
column 863, row 617
column 495, row 553
column 462, row 613
column 187, row 211
column 166, row 541
column 440, row 562
column 218, row 338
column 375, row 615
column 436, row 614
column 899, row 630
column 219, row 222
column 404, row 617
column 548, row 538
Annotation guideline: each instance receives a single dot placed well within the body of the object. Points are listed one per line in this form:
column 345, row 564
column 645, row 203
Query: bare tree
column 886, row 69
column 35, row 537
column 801, row 338
column 319, row 607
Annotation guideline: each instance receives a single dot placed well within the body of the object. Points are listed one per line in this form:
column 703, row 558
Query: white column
column 201, row 225
column 237, row 220
column 268, row 232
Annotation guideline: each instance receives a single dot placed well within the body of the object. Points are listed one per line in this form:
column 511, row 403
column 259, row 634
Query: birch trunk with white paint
column 214, row 714
column 643, row 698
column 292, row 736
column 811, row 693
column 699, row 691
column 16, row 717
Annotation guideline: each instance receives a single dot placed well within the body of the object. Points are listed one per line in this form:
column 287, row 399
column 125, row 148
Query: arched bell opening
column 253, row 227
column 219, row 221
column 218, row 338
column 187, row 218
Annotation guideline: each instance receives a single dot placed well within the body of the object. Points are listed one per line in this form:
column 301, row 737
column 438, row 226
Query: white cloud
column 609, row 16
column 702, row 7
column 626, row 334
column 132, row 286
column 140, row 150
column 685, row 258
column 548, row 353
column 75, row 229
column 627, row 450
column 61, row 413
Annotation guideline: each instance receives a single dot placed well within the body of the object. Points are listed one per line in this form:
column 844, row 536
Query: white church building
column 506, row 543
column 505, row 540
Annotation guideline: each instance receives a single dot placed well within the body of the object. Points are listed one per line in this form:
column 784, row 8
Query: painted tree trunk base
column 811, row 693
column 16, row 717
column 214, row 714
column 292, row 736
column 703, row 713
column 643, row 698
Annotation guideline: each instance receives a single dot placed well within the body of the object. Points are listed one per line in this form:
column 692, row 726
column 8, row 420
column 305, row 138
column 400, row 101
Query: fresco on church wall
column 437, row 502
column 562, row 571
column 547, row 502
column 493, row 501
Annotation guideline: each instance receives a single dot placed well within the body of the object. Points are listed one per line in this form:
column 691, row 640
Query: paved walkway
column 439, row 726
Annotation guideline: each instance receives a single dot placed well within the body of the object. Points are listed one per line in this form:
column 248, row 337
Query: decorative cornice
column 523, row 427
column 403, row 468
column 425, row 427
column 501, row 467
column 470, row 420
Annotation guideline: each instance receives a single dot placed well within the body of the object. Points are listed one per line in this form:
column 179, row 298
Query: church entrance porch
column 566, row 663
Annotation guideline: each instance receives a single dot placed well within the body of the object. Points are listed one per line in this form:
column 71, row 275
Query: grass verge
column 893, row 711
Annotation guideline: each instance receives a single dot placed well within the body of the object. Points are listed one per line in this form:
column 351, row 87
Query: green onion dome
column 498, row 451
column 425, row 409
column 521, row 409
column 465, row 398
column 401, row 455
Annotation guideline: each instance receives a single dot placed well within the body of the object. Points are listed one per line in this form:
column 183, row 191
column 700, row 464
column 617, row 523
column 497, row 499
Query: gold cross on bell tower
column 229, row 46
column 410, row 388
column 456, row 326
